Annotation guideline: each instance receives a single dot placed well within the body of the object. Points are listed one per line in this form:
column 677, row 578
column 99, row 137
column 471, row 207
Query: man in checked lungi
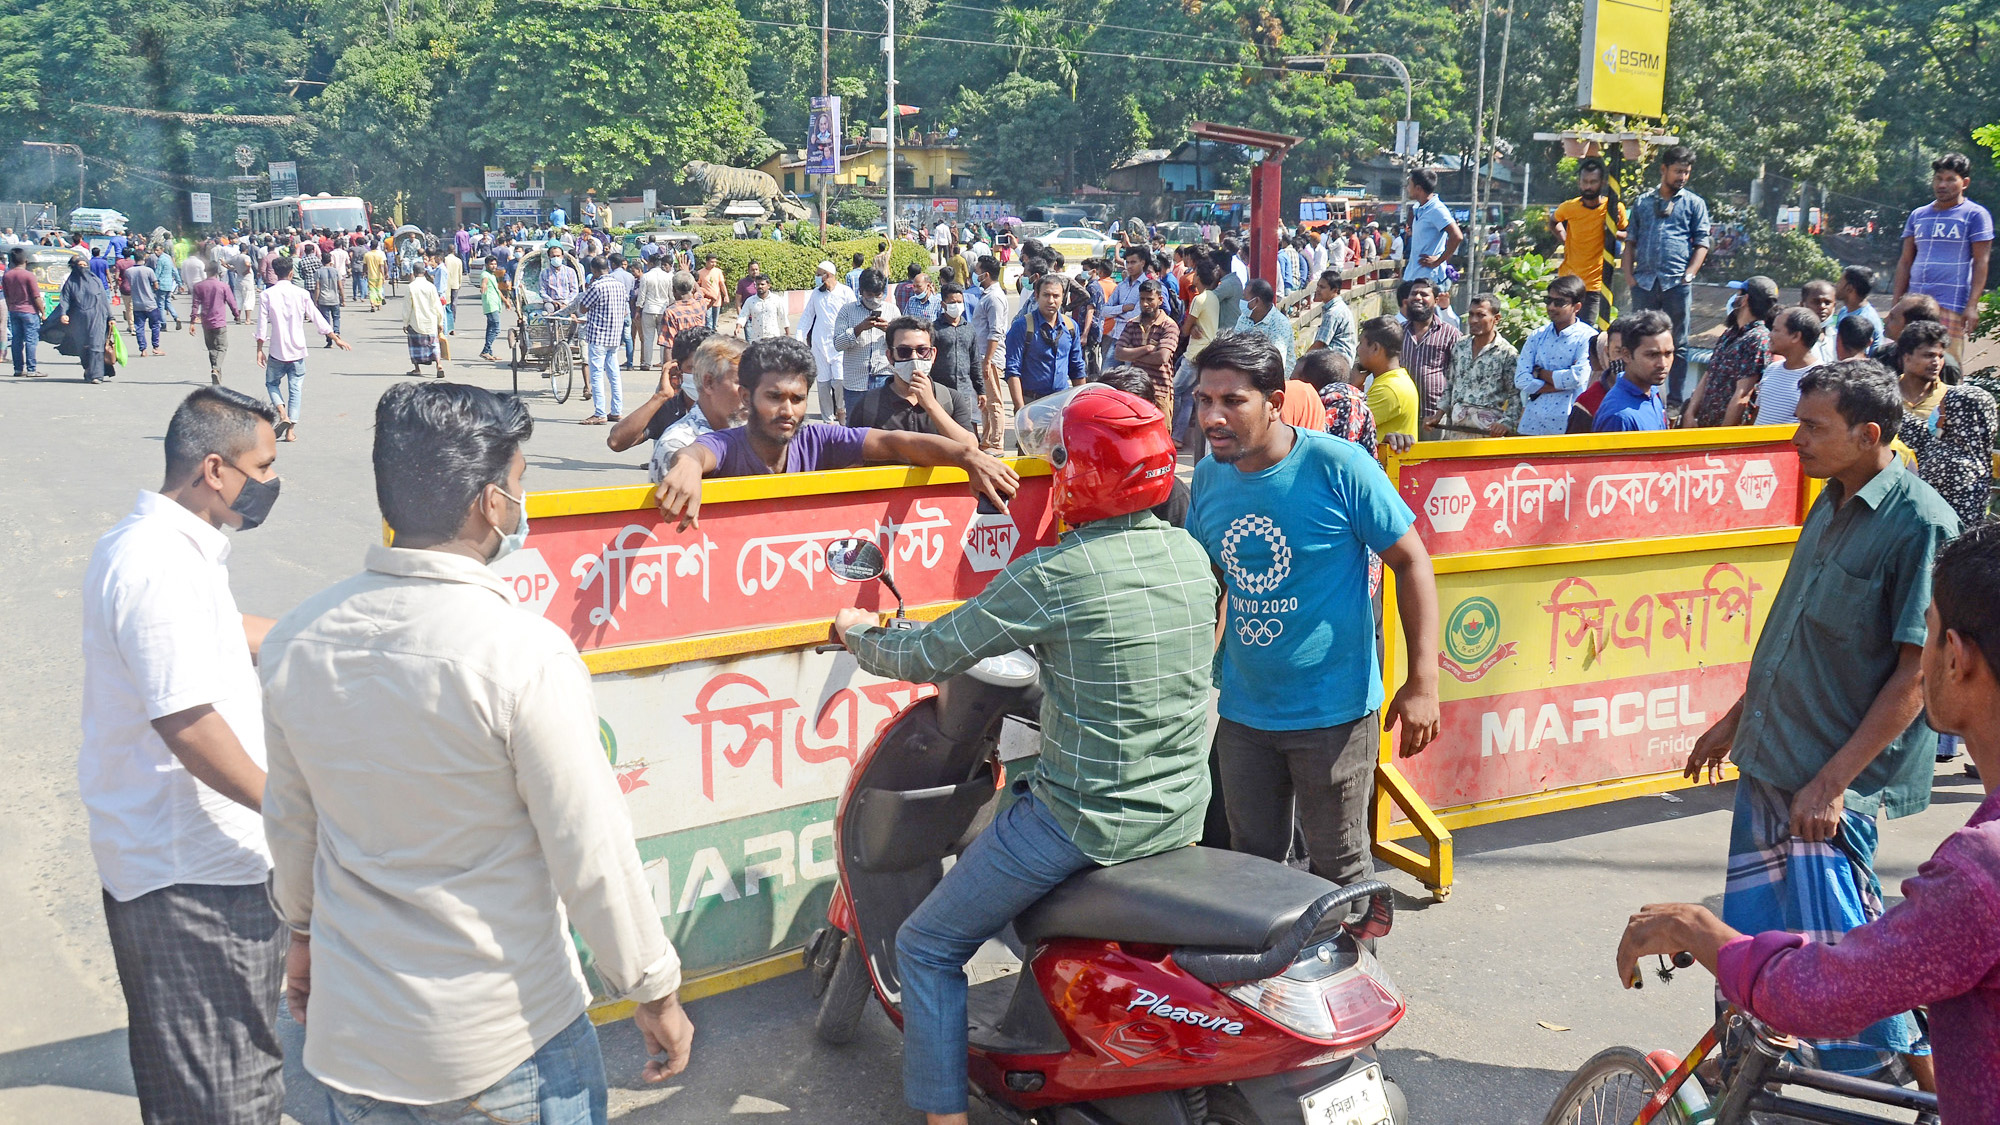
column 172, row 771
column 1827, row 732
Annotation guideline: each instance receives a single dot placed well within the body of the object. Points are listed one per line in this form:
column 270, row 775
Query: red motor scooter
column 1194, row 987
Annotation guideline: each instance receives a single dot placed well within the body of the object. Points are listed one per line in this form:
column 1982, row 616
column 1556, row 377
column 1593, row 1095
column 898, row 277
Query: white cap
column 827, row 267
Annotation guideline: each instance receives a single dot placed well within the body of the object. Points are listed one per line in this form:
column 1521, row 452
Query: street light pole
column 1477, row 214
column 889, row 45
column 1318, row 63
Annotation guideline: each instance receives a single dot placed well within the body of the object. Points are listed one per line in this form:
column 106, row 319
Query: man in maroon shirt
column 23, row 294
column 214, row 307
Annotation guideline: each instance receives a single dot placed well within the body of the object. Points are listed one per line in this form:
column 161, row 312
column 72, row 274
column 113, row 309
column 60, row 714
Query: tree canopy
column 409, row 98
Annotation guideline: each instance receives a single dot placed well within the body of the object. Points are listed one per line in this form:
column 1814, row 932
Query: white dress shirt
column 438, row 804
column 764, row 317
column 816, row 325
column 656, row 291
column 161, row 635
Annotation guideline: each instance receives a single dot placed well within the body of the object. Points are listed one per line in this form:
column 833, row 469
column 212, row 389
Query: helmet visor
column 1038, row 427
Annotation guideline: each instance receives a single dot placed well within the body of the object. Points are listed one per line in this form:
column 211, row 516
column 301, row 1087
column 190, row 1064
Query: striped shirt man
column 603, row 306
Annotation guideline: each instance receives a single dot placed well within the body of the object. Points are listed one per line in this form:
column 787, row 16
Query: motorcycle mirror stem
column 891, row 583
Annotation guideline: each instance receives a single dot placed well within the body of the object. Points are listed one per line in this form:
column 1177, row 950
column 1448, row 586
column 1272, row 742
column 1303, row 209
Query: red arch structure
column 1266, row 182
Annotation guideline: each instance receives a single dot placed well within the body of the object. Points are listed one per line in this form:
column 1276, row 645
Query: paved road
column 1526, row 937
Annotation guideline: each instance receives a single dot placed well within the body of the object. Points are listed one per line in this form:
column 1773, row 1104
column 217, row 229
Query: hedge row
column 792, row 266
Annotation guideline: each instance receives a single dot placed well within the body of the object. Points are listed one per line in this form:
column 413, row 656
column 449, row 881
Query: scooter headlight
column 1331, row 994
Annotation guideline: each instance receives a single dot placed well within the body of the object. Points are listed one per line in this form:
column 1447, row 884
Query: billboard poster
column 497, row 179
column 627, row 577
column 1569, row 674
column 284, row 178
column 823, row 137
column 1482, row 504
column 1624, row 63
column 200, row 208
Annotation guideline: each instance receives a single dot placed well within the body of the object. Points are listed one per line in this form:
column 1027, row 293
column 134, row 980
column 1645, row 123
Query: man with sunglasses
column 910, row 401
column 1667, row 244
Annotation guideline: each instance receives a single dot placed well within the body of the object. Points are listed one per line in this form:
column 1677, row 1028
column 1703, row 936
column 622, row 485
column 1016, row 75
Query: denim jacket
column 1663, row 244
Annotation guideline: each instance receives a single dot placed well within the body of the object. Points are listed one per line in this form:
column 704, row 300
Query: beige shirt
column 437, row 801
column 423, row 312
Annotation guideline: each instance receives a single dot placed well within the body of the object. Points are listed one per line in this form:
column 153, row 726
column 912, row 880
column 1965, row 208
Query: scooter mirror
column 857, row 560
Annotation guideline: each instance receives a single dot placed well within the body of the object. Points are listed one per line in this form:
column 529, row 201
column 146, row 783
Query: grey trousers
column 649, row 337
column 216, row 340
column 1328, row 771
column 832, row 393
column 203, row 972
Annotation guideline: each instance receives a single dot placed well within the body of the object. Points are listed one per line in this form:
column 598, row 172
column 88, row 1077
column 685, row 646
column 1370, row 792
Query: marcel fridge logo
column 1472, row 640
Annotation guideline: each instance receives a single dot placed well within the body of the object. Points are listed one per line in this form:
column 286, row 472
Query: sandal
column 593, row 420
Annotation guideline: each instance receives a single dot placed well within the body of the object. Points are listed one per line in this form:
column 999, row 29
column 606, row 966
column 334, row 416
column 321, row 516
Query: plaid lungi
column 1780, row 882
column 203, row 972
column 423, row 349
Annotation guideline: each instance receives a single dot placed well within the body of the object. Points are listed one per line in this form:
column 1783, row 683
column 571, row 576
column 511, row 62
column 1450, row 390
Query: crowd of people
column 422, row 927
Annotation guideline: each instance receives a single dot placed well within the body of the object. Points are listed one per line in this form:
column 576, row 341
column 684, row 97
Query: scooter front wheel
column 846, row 996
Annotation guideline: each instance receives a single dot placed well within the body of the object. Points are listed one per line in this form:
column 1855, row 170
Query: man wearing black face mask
column 172, row 771
column 438, row 748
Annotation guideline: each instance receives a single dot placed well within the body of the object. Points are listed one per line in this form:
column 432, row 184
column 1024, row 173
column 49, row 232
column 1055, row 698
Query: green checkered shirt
column 1121, row 613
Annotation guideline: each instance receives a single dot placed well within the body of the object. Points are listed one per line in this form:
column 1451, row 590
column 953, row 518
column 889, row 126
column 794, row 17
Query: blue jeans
column 332, row 315
column 561, row 1084
column 360, row 280
column 26, row 330
column 1184, row 381
column 285, row 382
column 607, row 391
column 1676, row 301
column 492, row 332
column 1017, row 860
column 144, row 319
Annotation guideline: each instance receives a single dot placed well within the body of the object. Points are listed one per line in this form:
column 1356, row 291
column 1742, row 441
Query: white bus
column 309, row 212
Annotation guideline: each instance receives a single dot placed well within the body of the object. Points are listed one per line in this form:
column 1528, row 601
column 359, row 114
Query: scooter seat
column 1189, row 896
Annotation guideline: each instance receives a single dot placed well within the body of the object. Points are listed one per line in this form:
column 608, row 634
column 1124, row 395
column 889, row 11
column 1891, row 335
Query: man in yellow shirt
column 1582, row 224
column 1392, row 394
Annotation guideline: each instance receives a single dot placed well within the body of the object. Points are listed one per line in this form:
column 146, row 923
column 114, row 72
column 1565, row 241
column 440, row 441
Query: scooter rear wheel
column 846, row 997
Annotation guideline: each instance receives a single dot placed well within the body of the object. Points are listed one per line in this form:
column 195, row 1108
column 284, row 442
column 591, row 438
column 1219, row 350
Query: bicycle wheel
column 1611, row 1089
column 562, row 373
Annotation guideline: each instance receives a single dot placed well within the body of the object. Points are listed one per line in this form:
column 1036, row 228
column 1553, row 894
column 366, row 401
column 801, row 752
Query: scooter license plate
column 1357, row 1099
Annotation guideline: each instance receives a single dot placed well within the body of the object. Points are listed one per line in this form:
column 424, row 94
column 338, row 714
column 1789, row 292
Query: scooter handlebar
column 1221, row 967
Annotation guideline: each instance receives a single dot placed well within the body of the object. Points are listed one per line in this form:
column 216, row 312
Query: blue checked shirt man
column 1665, row 246
column 603, row 308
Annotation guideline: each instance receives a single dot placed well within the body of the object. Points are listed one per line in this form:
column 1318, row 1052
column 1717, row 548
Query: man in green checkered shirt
column 1121, row 614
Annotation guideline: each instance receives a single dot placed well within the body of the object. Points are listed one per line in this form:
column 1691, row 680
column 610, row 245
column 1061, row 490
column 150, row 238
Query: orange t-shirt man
column 1583, row 239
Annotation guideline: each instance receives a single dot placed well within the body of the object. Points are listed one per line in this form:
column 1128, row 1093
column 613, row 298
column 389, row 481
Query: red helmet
column 1111, row 451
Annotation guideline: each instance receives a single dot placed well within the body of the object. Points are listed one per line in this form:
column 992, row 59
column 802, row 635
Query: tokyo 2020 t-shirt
column 1943, row 266
column 816, row 446
column 1292, row 542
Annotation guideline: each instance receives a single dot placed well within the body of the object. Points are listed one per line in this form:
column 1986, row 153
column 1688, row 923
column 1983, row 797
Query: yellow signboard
column 1624, row 65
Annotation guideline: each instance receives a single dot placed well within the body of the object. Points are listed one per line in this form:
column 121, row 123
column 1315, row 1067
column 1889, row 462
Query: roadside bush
column 855, row 211
column 791, row 266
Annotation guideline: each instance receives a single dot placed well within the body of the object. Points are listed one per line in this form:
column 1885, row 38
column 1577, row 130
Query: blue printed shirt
column 1565, row 355
column 1945, row 238
column 1292, row 543
column 1662, row 245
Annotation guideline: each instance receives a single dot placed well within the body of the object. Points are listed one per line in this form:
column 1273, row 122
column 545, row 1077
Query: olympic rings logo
column 1258, row 631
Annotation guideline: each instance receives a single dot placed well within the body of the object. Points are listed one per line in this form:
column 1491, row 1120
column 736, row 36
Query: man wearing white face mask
column 911, row 400
column 438, row 803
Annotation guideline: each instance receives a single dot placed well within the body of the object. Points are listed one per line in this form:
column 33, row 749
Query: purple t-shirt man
column 1945, row 235
column 816, row 446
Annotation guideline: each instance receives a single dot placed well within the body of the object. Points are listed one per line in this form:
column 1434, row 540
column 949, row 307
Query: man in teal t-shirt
column 1288, row 517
